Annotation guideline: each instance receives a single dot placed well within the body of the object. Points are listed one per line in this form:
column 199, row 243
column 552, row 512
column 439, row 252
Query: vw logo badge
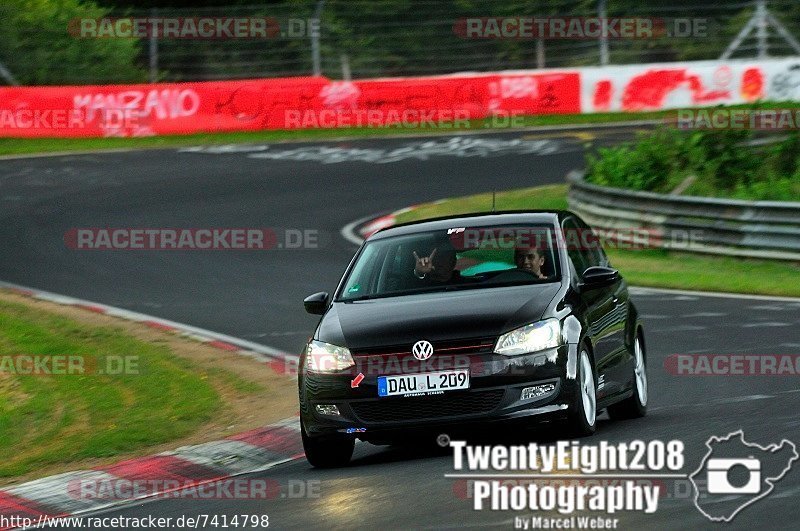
column 422, row 350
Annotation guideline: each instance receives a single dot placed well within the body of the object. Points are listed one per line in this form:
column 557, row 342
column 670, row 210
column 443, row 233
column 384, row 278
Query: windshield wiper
column 459, row 287
column 361, row 298
column 490, row 285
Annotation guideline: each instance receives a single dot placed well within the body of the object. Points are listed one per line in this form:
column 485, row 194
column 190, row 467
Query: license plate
column 423, row 384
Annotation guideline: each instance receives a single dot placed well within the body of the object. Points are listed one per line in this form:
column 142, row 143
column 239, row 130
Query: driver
column 439, row 266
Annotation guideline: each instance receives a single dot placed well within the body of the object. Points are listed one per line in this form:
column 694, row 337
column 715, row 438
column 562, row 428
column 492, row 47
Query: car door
column 619, row 369
column 603, row 307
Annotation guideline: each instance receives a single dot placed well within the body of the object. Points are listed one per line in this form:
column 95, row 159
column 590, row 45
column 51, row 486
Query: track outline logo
column 769, row 480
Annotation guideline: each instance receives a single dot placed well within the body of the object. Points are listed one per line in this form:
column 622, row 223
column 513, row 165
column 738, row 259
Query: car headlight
column 324, row 357
column 534, row 337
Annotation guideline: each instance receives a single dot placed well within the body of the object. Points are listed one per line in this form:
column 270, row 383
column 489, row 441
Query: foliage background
column 378, row 38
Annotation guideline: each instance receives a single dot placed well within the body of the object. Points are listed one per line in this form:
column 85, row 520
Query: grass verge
column 22, row 146
column 172, row 391
column 653, row 267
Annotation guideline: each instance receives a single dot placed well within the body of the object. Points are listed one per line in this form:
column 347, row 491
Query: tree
column 38, row 48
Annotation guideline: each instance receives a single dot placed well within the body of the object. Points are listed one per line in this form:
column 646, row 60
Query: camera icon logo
column 718, row 476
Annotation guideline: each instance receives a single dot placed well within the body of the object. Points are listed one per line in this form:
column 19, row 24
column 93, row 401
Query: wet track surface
column 257, row 295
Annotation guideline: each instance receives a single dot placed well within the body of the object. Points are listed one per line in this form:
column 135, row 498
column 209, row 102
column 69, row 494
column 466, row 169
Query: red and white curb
column 186, row 467
column 361, row 229
column 164, row 474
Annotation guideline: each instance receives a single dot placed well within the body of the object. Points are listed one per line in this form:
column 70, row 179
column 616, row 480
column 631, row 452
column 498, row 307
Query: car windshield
column 456, row 258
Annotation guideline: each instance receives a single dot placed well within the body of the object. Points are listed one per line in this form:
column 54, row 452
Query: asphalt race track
column 256, row 295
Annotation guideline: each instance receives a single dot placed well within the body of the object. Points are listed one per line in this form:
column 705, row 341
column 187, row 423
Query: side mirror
column 599, row 277
column 316, row 303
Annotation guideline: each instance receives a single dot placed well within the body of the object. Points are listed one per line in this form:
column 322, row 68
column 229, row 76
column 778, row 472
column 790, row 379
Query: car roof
column 549, row 217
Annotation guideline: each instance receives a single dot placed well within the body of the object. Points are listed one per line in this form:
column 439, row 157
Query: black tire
column 633, row 407
column 579, row 423
column 330, row 451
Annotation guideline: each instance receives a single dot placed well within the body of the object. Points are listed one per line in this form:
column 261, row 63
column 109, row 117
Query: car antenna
column 494, row 193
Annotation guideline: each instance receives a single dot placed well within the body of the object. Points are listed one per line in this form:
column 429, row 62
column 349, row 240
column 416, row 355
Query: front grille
column 427, row 407
column 480, row 345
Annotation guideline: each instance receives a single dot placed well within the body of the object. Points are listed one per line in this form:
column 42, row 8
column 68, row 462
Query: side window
column 594, row 246
column 362, row 278
column 582, row 246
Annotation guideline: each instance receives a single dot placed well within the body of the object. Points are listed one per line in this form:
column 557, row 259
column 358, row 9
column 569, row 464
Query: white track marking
column 194, row 332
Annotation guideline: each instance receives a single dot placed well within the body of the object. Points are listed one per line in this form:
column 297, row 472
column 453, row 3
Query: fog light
column 328, row 409
column 536, row 391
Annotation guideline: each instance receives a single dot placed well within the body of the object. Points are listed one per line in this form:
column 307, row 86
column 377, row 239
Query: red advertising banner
column 154, row 109
column 285, row 103
column 436, row 102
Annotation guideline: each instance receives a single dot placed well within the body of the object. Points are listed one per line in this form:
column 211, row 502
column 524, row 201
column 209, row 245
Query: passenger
column 531, row 260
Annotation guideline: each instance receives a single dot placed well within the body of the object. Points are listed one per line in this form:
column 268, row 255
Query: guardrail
column 757, row 229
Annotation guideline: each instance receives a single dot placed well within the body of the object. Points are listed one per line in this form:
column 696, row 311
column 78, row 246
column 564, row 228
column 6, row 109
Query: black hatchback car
column 462, row 320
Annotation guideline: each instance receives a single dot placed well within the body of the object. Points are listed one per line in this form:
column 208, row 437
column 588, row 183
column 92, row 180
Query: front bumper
column 495, row 394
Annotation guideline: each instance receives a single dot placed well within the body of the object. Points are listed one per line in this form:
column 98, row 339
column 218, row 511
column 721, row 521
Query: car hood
column 434, row 316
